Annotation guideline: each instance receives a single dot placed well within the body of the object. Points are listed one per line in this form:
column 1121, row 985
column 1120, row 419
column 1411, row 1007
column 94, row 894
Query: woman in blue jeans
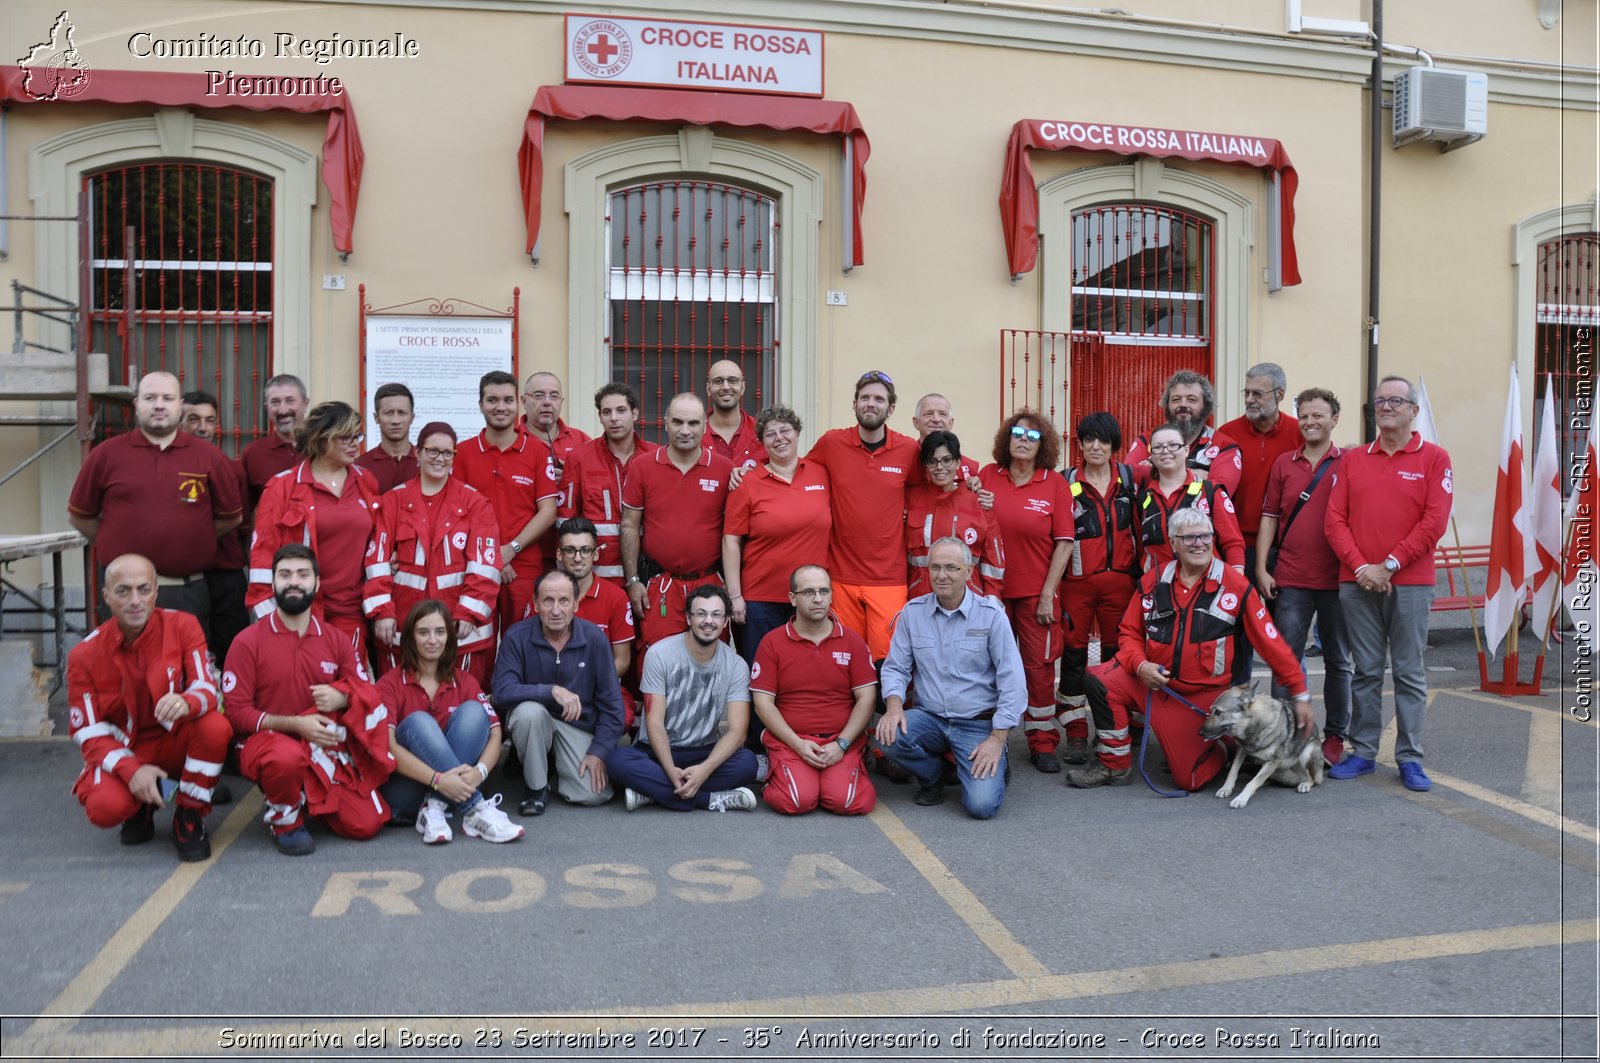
column 445, row 737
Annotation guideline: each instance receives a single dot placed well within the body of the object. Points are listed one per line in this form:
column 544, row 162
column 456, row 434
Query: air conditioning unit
column 1447, row 106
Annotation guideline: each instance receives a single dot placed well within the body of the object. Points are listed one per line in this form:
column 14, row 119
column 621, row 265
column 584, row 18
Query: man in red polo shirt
column 592, row 478
column 673, row 500
column 161, row 493
column 541, row 402
column 1188, row 401
column 730, row 430
column 275, row 452
column 394, row 460
column 814, row 688
column 511, row 469
column 869, row 467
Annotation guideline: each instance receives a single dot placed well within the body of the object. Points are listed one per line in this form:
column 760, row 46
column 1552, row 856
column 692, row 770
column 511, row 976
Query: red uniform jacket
column 1193, row 633
column 106, row 713
column 1155, row 509
column 447, row 551
column 931, row 515
column 1105, row 532
column 288, row 514
column 1212, row 455
column 591, row 487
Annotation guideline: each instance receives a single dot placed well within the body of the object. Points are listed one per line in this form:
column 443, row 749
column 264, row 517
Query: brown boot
column 1097, row 774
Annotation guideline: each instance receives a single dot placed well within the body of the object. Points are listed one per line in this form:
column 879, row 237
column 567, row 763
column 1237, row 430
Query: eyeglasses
column 355, row 439
column 946, row 570
column 1195, row 540
column 1391, row 402
column 577, row 551
column 1032, row 435
column 700, row 614
column 1165, row 448
column 724, row 381
column 1251, row 393
column 814, row 592
column 942, row 463
column 435, row 454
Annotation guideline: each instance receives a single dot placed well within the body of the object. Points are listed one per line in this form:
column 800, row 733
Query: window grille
column 690, row 280
column 181, row 279
column 1567, row 297
column 1141, row 273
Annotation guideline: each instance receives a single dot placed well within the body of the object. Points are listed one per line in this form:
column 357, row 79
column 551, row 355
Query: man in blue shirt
column 959, row 649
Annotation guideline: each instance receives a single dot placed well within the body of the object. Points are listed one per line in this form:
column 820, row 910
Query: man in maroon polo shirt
column 275, row 452
column 394, row 460
column 730, row 430
column 225, row 579
column 673, row 501
column 159, row 492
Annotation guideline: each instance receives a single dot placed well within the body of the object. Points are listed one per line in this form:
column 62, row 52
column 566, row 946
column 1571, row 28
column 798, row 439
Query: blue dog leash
column 1144, row 739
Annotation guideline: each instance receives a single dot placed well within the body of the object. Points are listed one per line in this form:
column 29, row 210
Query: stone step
column 24, row 692
column 41, row 375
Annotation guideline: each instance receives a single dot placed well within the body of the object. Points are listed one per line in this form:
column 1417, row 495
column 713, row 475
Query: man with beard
column 1188, row 401
column 394, row 460
column 143, row 711
column 693, row 685
column 512, row 470
column 275, row 452
column 316, row 737
column 592, row 479
column 162, row 494
column 730, row 430
column 672, row 509
column 869, row 467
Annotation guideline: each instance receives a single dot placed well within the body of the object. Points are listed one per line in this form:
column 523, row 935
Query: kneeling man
column 815, row 688
column 315, row 733
column 958, row 648
column 556, row 676
column 142, row 709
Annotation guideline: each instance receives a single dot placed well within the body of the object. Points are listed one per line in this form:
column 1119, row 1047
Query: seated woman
column 445, row 737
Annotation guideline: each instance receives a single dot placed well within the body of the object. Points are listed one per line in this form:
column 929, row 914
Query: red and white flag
column 1509, row 535
column 1544, row 570
column 1579, row 568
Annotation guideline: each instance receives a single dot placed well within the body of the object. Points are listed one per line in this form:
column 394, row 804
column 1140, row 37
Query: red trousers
column 192, row 752
column 1114, row 693
column 795, row 787
column 281, row 765
column 665, row 598
column 1040, row 645
column 1087, row 602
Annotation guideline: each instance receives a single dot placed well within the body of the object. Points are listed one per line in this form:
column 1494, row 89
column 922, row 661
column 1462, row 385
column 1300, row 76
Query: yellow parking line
column 52, row 1040
column 1512, row 703
column 961, row 900
column 1541, row 777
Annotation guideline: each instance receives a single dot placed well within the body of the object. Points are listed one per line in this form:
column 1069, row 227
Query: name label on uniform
column 842, row 658
column 891, row 468
column 815, row 487
column 329, row 668
column 710, row 485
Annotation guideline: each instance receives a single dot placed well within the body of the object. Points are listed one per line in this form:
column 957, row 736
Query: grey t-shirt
column 697, row 694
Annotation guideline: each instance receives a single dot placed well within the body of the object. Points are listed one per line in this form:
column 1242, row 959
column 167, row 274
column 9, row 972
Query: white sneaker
column 431, row 823
column 633, row 800
column 763, row 767
column 486, row 821
column 742, row 799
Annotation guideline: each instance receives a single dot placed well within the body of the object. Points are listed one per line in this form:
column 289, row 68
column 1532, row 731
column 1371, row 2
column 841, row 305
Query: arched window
column 180, row 278
column 1566, row 314
column 691, row 278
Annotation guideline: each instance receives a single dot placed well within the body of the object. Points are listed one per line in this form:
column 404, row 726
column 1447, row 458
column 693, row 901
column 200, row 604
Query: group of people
column 724, row 614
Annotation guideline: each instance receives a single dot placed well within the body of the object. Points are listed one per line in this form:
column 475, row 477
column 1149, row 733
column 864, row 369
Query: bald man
column 142, row 708
column 730, row 430
column 160, row 493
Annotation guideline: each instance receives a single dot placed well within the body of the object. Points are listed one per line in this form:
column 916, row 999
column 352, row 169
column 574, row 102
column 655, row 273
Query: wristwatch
column 514, row 548
column 1391, row 564
column 630, row 581
column 844, row 747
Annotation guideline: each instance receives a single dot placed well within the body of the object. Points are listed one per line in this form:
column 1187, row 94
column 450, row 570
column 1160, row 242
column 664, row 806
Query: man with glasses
column 592, row 478
column 869, row 467
column 697, row 711
column 600, row 602
column 394, row 460
column 814, row 690
column 730, row 430
column 1188, row 401
column 1179, row 636
column 1390, row 504
column 957, row 647
column 541, row 403
column 555, row 683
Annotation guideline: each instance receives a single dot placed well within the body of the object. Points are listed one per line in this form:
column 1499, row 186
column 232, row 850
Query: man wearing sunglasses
column 1188, row 401
column 1391, row 501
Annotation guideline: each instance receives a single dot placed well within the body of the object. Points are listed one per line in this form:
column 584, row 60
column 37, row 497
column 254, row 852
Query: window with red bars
column 1141, row 272
column 690, row 280
column 1567, row 305
column 180, row 279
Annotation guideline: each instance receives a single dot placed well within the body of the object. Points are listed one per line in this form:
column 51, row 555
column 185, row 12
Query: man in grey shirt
column 959, row 649
column 692, row 682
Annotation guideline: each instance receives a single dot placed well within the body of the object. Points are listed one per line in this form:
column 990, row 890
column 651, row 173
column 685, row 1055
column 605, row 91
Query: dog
column 1264, row 728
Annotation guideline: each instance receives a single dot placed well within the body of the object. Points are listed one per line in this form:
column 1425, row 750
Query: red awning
column 342, row 156
column 1019, row 196
column 577, row 102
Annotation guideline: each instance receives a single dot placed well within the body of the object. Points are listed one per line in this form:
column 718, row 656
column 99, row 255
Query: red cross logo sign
column 602, row 49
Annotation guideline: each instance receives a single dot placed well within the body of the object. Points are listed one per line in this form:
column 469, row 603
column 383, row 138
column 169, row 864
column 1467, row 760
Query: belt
column 684, row 577
column 989, row 715
column 179, row 581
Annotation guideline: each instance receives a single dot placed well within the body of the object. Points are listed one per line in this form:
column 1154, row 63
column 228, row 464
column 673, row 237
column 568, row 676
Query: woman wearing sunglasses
column 1033, row 508
column 435, row 538
column 1172, row 486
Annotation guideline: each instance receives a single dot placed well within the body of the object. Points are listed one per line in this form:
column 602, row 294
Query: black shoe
column 892, row 771
column 1075, row 750
column 222, row 794
column 534, row 802
column 1045, row 762
column 189, row 835
column 141, row 828
column 930, row 795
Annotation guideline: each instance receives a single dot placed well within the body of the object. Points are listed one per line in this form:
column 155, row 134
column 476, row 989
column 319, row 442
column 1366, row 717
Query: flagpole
column 1472, row 614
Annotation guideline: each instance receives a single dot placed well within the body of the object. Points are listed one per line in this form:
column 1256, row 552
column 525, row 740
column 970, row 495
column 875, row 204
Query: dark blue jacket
column 527, row 668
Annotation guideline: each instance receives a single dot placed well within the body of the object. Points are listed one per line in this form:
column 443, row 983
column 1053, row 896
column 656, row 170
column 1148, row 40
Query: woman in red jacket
column 1171, row 487
column 435, row 537
column 327, row 503
column 940, row 506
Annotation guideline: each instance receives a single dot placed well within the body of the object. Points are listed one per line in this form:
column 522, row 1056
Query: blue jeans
column 1296, row 608
column 927, row 738
column 461, row 743
column 636, row 768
